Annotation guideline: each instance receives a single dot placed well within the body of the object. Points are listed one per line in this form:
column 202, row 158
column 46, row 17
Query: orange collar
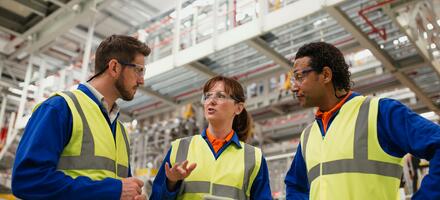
column 325, row 116
column 217, row 144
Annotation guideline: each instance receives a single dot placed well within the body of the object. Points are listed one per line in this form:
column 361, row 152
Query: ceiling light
column 75, row 7
column 403, row 39
column 433, row 46
column 15, row 91
column 429, row 26
column 362, row 54
column 134, row 123
column 425, row 35
column 395, row 42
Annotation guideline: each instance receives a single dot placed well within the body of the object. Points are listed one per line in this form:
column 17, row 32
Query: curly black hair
column 323, row 54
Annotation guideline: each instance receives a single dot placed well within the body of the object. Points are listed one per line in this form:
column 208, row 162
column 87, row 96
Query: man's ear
column 327, row 74
column 114, row 68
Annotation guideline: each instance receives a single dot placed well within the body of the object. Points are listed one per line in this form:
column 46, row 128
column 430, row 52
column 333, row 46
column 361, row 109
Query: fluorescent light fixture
column 403, row 39
column 15, row 91
column 134, row 123
column 362, row 54
column 429, row 26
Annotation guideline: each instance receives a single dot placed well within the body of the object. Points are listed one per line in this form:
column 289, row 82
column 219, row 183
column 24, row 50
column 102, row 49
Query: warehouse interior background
column 392, row 46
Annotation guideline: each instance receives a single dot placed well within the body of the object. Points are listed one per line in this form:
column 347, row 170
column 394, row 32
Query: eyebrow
column 215, row 91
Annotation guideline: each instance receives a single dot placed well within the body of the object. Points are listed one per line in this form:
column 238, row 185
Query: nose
column 141, row 81
column 294, row 88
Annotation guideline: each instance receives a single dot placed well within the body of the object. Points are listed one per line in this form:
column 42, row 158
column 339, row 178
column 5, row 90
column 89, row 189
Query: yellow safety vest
column 230, row 176
column 349, row 163
column 92, row 151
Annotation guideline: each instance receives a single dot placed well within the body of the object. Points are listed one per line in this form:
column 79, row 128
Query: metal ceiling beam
column 7, row 84
column 2, row 65
column 261, row 46
column 115, row 17
column 151, row 8
column 418, row 43
column 200, row 68
column 59, row 23
column 34, row 6
column 11, row 21
column 414, row 67
column 58, row 3
column 7, row 30
column 14, row 78
column 381, row 55
column 166, row 99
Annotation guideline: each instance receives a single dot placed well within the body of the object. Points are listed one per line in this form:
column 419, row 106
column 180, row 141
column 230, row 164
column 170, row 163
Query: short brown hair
column 242, row 123
column 121, row 47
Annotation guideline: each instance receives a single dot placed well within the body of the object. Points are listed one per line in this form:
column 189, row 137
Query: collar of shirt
column 234, row 138
column 113, row 112
column 217, row 144
column 326, row 116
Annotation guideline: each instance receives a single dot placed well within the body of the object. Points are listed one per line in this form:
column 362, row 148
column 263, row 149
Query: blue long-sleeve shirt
column 47, row 132
column 260, row 188
column 400, row 131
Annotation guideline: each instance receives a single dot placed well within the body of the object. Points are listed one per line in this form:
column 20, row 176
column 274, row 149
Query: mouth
column 211, row 110
column 297, row 95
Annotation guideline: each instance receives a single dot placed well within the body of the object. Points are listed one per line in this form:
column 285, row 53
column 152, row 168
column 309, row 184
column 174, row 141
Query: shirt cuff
column 115, row 189
column 170, row 194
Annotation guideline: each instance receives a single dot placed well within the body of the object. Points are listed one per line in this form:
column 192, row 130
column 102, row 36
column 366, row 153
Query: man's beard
column 123, row 90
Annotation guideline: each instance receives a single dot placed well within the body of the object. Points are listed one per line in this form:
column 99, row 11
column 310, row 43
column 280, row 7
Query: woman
column 216, row 164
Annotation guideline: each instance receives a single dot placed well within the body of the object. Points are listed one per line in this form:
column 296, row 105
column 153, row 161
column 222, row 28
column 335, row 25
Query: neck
column 219, row 131
column 109, row 93
column 332, row 100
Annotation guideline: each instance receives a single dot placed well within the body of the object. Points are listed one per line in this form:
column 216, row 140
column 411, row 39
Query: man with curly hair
column 354, row 148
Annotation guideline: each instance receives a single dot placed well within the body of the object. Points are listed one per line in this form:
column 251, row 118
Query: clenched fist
column 132, row 189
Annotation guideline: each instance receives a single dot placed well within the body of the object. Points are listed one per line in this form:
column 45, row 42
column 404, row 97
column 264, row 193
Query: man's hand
column 132, row 189
column 140, row 197
column 178, row 172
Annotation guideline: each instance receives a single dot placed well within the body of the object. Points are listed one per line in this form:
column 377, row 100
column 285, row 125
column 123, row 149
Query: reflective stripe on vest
column 87, row 158
column 217, row 190
column 360, row 162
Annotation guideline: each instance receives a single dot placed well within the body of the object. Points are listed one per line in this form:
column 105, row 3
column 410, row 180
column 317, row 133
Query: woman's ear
column 239, row 108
